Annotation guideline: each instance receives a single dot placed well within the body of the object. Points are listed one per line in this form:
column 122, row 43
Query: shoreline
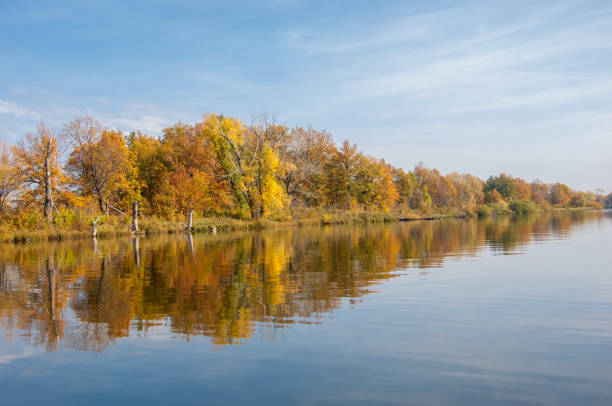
column 154, row 226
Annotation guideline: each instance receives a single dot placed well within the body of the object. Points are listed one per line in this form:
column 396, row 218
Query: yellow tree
column 340, row 172
column 9, row 177
column 386, row 194
column 264, row 142
column 37, row 160
column 227, row 139
column 152, row 165
column 373, row 184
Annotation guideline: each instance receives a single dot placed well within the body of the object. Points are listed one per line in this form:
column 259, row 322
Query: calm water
column 506, row 311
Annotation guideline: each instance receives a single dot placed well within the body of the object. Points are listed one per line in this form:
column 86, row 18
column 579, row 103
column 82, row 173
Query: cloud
column 14, row 109
column 148, row 124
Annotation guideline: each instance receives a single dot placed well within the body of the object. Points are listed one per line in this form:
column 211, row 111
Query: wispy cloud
column 11, row 108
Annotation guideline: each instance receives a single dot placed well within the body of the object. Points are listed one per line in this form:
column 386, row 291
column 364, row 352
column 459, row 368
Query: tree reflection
column 86, row 297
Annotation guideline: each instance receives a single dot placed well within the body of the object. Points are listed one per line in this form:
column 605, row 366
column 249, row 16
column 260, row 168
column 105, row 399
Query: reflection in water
column 85, row 296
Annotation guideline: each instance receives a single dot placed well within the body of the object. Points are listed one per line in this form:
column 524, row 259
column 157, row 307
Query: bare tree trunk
column 101, row 205
column 48, row 202
column 94, row 227
column 190, row 220
column 135, row 216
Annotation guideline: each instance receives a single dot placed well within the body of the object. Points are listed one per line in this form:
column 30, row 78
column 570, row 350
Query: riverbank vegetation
column 224, row 174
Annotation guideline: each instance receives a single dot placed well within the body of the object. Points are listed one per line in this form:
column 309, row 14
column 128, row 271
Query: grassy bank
column 79, row 226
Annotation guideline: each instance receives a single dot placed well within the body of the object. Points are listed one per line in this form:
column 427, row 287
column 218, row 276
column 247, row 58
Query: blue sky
column 472, row 86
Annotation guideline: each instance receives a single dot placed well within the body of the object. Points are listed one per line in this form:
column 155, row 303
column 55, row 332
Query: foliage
column 483, row 210
column 9, row 176
column 264, row 172
column 522, row 206
column 502, row 184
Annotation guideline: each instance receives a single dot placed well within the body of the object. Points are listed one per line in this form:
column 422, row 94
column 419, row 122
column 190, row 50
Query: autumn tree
column 405, row 184
column 37, row 160
column 304, row 156
column 340, row 172
column 522, row 191
column 152, row 165
column 469, row 190
column 194, row 178
column 539, row 192
column 248, row 162
column 578, row 199
column 265, row 139
column 99, row 163
column 374, row 187
column 10, row 178
column 560, row 194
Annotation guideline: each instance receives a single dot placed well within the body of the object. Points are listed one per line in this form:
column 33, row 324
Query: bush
column 595, row 205
column 483, row 210
column 522, row 206
column 28, row 220
column 500, row 208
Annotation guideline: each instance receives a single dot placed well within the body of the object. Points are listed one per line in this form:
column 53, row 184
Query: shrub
column 522, row 206
column 28, row 220
column 500, row 208
column 595, row 205
column 483, row 210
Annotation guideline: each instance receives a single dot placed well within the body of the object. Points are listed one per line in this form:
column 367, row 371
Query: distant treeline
column 222, row 167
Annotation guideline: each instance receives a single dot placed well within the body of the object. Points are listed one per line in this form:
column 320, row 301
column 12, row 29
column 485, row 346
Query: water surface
column 495, row 311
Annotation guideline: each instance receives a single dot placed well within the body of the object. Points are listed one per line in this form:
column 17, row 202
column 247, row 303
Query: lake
column 450, row 312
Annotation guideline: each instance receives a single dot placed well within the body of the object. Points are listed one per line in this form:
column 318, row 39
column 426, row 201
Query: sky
column 481, row 87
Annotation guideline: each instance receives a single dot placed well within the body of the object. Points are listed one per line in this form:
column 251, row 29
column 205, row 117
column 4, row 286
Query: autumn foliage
column 223, row 167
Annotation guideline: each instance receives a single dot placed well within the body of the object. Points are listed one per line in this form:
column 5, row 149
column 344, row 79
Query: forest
column 222, row 168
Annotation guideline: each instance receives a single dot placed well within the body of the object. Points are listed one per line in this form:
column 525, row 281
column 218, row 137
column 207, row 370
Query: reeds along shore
column 232, row 175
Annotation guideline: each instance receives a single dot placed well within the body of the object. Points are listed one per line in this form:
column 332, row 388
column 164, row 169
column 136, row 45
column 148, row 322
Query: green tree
column 503, row 184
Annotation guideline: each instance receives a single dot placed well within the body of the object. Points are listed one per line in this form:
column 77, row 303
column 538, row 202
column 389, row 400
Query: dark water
column 506, row 311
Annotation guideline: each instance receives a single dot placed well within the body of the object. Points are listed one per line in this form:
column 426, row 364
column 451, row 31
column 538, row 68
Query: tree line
column 222, row 167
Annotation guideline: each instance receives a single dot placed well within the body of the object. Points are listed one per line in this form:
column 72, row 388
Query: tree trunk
column 190, row 220
column 94, row 227
column 251, row 204
column 135, row 216
column 101, row 205
column 48, row 202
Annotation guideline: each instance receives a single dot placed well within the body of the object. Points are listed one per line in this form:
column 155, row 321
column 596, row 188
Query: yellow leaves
column 273, row 197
